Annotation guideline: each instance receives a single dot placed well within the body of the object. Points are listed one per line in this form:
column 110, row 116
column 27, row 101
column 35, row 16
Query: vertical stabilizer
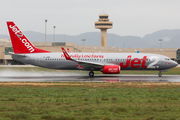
column 19, row 41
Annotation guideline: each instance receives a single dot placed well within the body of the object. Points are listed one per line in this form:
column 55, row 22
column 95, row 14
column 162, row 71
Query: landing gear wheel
column 91, row 74
column 160, row 74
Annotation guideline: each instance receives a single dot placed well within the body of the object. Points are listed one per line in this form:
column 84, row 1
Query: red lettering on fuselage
column 144, row 62
column 84, row 56
column 127, row 62
column 135, row 63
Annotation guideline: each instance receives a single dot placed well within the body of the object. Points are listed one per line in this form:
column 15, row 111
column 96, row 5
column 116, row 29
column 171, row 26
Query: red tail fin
column 19, row 41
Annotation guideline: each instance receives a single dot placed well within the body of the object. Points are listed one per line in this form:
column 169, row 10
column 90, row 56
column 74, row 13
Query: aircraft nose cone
column 174, row 64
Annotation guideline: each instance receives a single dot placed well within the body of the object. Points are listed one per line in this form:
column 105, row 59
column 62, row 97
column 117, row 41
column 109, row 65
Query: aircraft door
column 37, row 60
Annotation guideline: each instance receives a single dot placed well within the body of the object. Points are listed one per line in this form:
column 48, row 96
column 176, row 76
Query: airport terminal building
column 6, row 46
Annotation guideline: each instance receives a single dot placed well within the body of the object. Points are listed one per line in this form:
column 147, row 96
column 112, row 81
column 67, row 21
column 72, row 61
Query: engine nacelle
column 111, row 69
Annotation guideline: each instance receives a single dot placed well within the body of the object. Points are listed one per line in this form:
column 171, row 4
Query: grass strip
column 85, row 101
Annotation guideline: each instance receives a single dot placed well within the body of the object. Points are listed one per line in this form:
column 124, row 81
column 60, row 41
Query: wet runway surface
column 96, row 78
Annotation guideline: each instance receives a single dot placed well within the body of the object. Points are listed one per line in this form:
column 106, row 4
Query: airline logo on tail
column 19, row 41
column 20, row 35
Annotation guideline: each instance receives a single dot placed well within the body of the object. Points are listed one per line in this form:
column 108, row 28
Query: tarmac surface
column 96, row 78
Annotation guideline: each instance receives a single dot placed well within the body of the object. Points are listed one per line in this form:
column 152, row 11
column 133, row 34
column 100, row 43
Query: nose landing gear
column 91, row 74
column 159, row 74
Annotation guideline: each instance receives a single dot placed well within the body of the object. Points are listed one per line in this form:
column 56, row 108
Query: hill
column 171, row 39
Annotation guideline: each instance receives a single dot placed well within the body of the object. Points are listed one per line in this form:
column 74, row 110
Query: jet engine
column 111, row 69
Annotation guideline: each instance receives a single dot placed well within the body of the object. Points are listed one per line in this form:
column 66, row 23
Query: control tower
column 103, row 24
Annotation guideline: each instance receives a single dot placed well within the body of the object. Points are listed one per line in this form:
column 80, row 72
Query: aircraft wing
column 90, row 63
column 84, row 64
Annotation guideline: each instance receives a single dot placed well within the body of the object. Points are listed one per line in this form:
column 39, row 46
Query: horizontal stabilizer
column 20, row 55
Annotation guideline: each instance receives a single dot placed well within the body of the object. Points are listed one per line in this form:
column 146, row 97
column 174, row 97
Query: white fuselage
column 127, row 61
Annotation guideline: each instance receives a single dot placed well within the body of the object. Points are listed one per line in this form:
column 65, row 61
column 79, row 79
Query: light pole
column 160, row 40
column 83, row 40
column 54, row 32
column 45, row 29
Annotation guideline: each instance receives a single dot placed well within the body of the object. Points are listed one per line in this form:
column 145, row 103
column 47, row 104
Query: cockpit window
column 167, row 59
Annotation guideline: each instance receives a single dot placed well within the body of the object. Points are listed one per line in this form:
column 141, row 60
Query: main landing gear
column 159, row 74
column 91, row 74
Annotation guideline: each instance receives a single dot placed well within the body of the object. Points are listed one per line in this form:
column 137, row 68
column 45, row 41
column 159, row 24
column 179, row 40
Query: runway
column 96, row 78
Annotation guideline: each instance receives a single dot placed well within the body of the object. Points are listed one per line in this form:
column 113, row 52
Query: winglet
column 69, row 51
column 66, row 54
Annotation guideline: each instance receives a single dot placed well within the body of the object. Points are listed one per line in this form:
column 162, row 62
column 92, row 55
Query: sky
column 73, row 17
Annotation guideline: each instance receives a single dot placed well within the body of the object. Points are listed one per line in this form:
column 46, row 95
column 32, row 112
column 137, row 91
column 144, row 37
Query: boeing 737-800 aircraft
column 107, row 63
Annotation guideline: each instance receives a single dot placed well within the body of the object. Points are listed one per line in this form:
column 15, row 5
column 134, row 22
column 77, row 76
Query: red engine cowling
column 111, row 69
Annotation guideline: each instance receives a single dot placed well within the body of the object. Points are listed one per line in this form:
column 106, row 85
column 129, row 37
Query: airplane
column 107, row 63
